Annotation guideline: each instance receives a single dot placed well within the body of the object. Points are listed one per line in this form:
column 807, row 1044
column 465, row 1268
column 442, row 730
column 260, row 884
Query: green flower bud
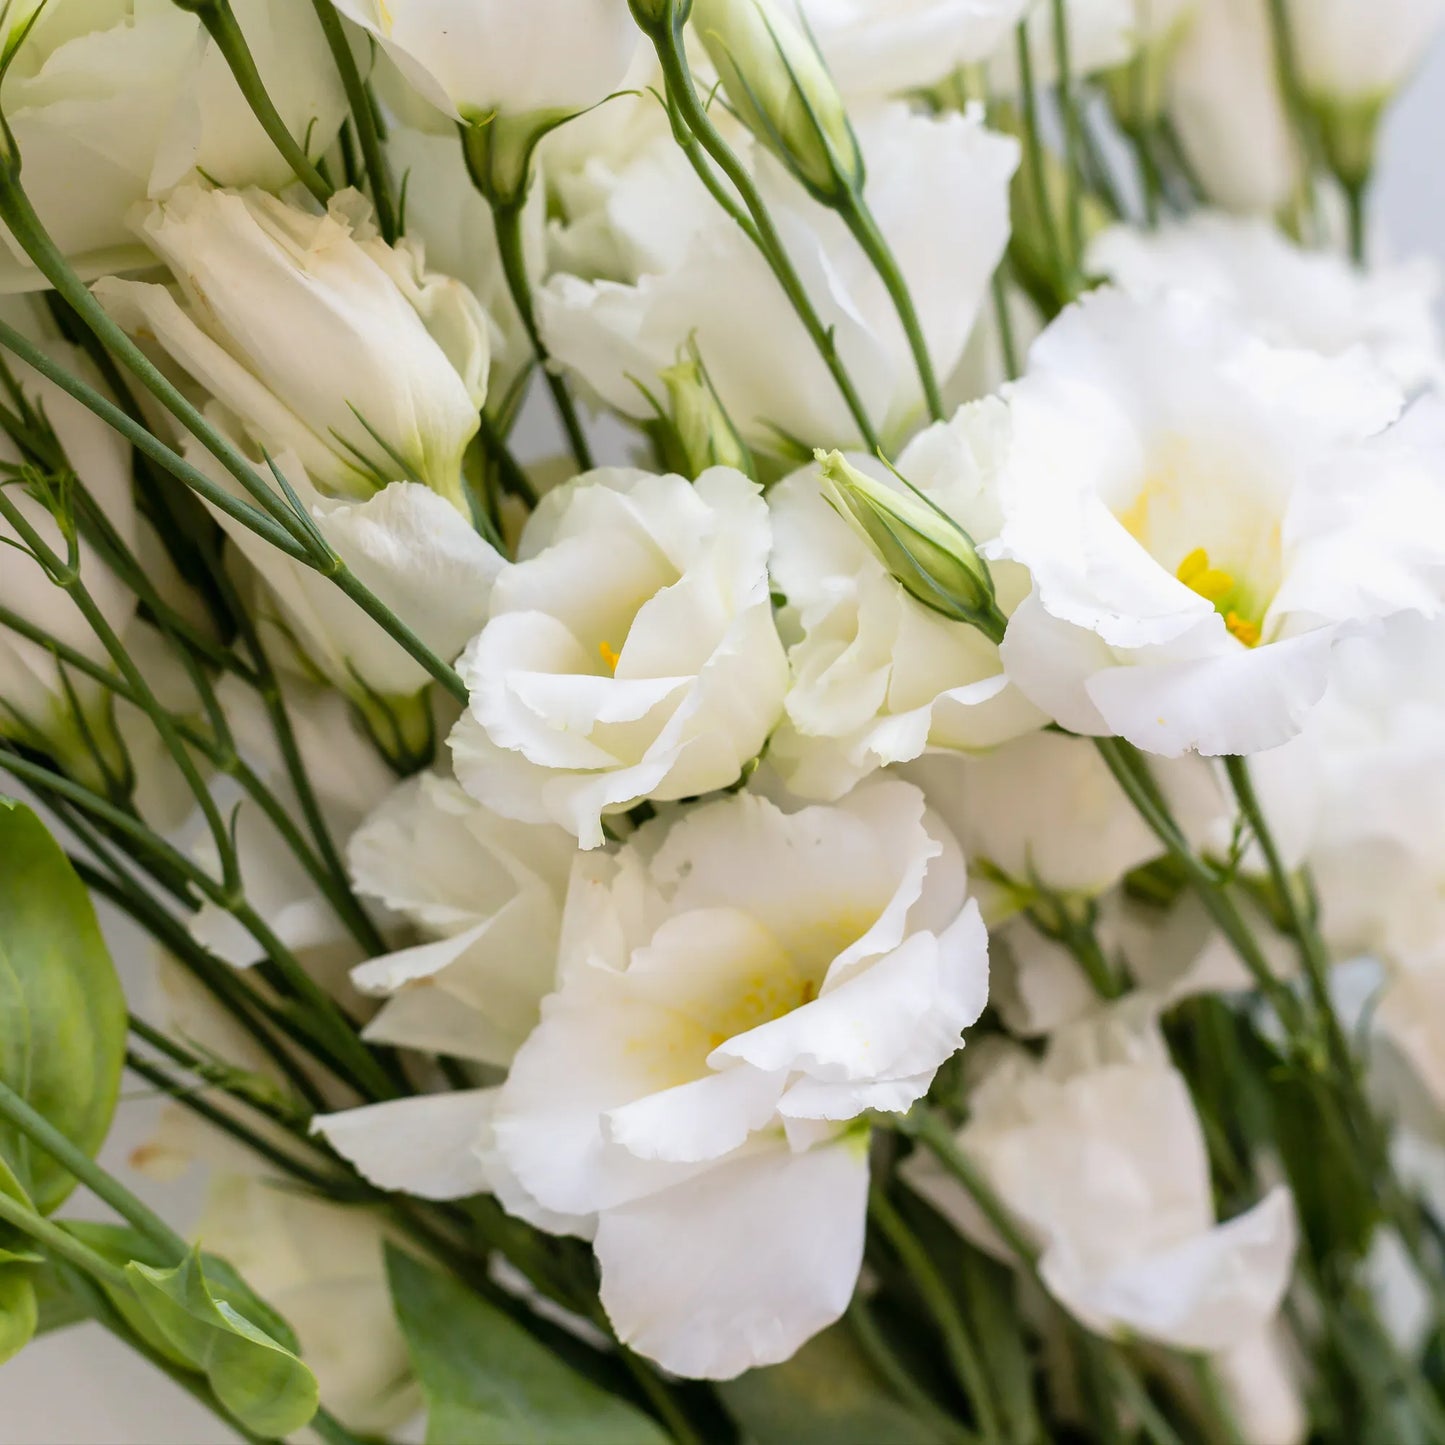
column 778, row 84
column 698, row 433
column 925, row 550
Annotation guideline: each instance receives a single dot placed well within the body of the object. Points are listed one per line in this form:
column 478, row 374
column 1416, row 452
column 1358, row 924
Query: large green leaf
column 62, row 1012
column 19, row 1307
column 488, row 1382
column 827, row 1394
column 254, row 1376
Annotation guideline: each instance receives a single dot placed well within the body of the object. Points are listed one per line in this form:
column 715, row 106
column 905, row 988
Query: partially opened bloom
column 630, row 653
column 475, row 58
column 737, row 986
column 649, row 262
column 413, row 550
column 1097, row 1152
column 1205, row 518
column 112, row 102
column 485, row 895
column 1360, row 51
column 1224, row 99
column 877, row 677
column 1289, row 295
column 316, row 336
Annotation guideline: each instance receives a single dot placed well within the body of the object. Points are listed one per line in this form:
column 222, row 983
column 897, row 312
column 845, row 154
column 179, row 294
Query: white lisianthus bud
column 697, row 433
column 1098, row 1153
column 114, row 101
column 777, row 82
column 316, row 335
column 1352, row 57
column 921, row 546
column 473, row 59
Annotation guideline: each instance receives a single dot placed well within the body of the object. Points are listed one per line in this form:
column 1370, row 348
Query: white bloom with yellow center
column 1097, row 1152
column 737, row 986
column 1205, row 517
column 877, row 676
column 630, row 653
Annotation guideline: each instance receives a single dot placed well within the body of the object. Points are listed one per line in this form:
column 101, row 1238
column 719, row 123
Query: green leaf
column 827, row 1394
column 19, row 1307
column 62, row 1012
column 488, row 1382
column 256, row 1378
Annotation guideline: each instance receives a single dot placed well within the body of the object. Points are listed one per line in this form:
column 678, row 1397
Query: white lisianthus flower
column 877, row 48
column 1290, row 296
column 1097, row 1152
column 1223, row 96
column 1205, row 517
column 668, row 266
column 737, row 986
column 475, row 58
column 485, row 894
column 411, row 548
column 1361, row 51
column 114, row 101
column 37, row 697
column 877, row 677
column 630, row 653
column 316, row 336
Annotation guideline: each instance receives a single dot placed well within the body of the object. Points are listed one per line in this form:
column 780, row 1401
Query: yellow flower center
column 609, row 655
column 1217, row 587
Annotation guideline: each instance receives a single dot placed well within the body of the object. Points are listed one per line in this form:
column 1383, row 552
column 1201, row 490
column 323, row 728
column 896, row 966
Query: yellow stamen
column 1242, row 628
column 610, row 657
column 1210, row 583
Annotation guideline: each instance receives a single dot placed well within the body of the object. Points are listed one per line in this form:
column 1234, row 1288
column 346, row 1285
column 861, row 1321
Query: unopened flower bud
column 778, row 84
column 698, row 433
column 925, row 550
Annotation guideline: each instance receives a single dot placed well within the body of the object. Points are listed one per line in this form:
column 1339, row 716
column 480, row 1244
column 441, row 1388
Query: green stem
column 1355, row 206
column 507, row 218
column 666, row 36
column 1296, row 108
column 660, row 1398
column 362, row 117
column 220, row 22
column 1131, row 772
column 1007, row 345
column 53, row 1238
column 967, row 1364
column 881, row 1355
column 1034, row 151
column 859, row 218
column 515, row 482
column 45, row 1136
column 1073, row 140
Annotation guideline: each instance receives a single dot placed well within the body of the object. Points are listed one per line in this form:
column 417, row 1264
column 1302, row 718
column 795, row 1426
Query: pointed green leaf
column 257, row 1379
column 19, row 1308
column 62, row 1013
column 488, row 1382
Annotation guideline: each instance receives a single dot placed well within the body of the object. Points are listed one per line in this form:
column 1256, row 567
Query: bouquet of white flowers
column 771, row 677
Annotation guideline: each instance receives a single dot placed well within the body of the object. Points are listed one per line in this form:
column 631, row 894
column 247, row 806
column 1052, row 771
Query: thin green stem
column 666, row 36
column 1296, row 107
column 963, row 1355
column 859, row 218
column 507, row 216
column 515, row 482
column 1358, row 217
column 220, row 22
column 45, row 1136
column 660, row 1398
column 1132, row 774
column 1008, row 347
column 362, row 117
column 880, row 1353
column 1034, row 162
column 53, row 1238
column 1073, row 139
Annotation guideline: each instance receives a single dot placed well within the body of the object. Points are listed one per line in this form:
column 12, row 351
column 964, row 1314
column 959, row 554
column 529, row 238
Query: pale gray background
column 80, row 1388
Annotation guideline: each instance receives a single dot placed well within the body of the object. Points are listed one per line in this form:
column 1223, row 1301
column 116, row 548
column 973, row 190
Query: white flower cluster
column 884, row 636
